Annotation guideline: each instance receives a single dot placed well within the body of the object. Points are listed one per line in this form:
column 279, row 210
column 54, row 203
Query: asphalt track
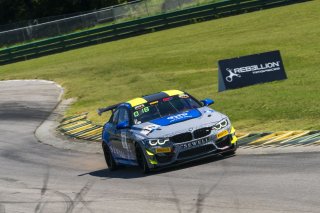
column 35, row 177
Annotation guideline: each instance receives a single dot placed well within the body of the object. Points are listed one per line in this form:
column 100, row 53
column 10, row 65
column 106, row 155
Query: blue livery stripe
column 172, row 119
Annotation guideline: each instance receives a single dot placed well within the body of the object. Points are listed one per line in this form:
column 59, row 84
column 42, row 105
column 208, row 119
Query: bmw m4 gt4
column 163, row 129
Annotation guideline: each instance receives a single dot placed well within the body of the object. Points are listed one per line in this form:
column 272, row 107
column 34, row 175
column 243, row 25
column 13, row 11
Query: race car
column 164, row 129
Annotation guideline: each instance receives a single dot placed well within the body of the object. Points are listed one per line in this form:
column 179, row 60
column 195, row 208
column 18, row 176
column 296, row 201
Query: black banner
column 249, row 70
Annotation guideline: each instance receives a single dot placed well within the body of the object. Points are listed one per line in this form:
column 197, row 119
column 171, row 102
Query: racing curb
column 46, row 133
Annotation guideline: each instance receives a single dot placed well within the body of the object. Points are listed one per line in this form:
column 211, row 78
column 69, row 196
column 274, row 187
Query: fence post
column 113, row 17
column 58, row 28
column 146, row 5
column 24, row 38
column 9, row 54
column 179, row 3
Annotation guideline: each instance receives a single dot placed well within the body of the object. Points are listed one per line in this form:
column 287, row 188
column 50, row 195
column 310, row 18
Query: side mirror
column 123, row 125
column 207, row 102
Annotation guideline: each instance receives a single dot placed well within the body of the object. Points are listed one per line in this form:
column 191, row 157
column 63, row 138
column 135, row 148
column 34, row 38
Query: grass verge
column 186, row 58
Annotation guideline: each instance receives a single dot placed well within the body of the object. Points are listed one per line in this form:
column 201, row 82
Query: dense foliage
column 18, row 10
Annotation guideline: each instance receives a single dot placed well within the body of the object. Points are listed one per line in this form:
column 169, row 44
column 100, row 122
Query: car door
column 110, row 132
column 125, row 142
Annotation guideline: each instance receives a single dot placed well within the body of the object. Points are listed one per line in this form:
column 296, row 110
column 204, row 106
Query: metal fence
column 136, row 27
column 111, row 15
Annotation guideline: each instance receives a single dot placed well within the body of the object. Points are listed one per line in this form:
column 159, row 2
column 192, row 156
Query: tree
column 21, row 10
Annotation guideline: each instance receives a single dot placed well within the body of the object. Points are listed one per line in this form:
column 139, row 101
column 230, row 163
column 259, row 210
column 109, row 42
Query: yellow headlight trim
column 149, row 153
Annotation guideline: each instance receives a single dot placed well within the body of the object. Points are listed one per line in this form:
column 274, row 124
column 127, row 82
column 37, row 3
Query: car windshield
column 163, row 107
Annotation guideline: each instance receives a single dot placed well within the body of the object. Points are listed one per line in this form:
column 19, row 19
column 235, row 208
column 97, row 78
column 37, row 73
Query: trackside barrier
column 135, row 27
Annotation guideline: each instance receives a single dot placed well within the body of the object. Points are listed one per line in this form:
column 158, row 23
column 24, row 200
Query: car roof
column 153, row 97
column 142, row 100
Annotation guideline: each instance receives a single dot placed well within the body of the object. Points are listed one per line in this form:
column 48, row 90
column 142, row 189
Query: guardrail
column 135, row 27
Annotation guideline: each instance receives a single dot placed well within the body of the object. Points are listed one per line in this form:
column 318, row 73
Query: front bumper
column 193, row 150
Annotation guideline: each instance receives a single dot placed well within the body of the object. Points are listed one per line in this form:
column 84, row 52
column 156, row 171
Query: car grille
column 199, row 133
column 181, row 137
column 196, row 151
column 223, row 142
column 165, row 158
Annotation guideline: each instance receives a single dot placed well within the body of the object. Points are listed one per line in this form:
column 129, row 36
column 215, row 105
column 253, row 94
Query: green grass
column 186, row 58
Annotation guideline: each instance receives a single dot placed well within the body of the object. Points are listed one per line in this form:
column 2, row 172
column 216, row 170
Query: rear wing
column 102, row 110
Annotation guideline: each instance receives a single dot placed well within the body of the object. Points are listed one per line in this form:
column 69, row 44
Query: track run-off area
column 36, row 177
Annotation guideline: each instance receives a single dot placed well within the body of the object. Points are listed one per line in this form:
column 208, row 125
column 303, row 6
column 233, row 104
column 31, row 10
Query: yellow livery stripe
column 137, row 101
column 234, row 139
column 232, row 131
column 173, row 92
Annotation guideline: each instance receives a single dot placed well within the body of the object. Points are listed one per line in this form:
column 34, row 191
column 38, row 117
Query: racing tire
column 112, row 166
column 142, row 161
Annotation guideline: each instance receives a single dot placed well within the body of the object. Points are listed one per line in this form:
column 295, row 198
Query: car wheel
column 142, row 160
column 109, row 158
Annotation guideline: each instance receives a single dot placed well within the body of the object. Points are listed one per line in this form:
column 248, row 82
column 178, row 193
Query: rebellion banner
column 252, row 69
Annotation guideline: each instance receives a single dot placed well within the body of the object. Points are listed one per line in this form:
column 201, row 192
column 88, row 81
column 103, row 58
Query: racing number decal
column 136, row 114
column 143, row 110
column 124, row 139
column 146, row 109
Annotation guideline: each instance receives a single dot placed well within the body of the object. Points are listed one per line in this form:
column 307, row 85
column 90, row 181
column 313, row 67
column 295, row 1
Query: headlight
column 221, row 124
column 155, row 142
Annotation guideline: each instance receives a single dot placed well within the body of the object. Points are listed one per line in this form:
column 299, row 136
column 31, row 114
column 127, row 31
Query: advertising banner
column 252, row 69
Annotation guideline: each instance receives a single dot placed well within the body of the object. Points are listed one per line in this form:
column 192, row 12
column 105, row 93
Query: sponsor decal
column 178, row 117
column 167, row 99
column 222, row 134
column 141, row 111
column 150, row 128
column 172, row 119
column 139, row 107
column 154, row 102
column 124, row 139
column 163, row 150
column 194, row 143
column 229, row 78
column 183, row 96
column 136, row 121
column 252, row 69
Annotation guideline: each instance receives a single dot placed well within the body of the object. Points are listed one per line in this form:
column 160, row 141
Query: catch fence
column 38, row 29
column 135, row 27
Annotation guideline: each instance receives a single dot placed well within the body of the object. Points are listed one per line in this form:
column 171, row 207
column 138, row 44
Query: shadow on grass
column 133, row 172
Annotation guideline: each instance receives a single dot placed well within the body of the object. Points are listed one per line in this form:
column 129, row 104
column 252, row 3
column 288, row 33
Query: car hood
column 178, row 123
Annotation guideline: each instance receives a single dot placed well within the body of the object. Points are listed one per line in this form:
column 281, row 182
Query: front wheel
column 109, row 158
column 143, row 164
